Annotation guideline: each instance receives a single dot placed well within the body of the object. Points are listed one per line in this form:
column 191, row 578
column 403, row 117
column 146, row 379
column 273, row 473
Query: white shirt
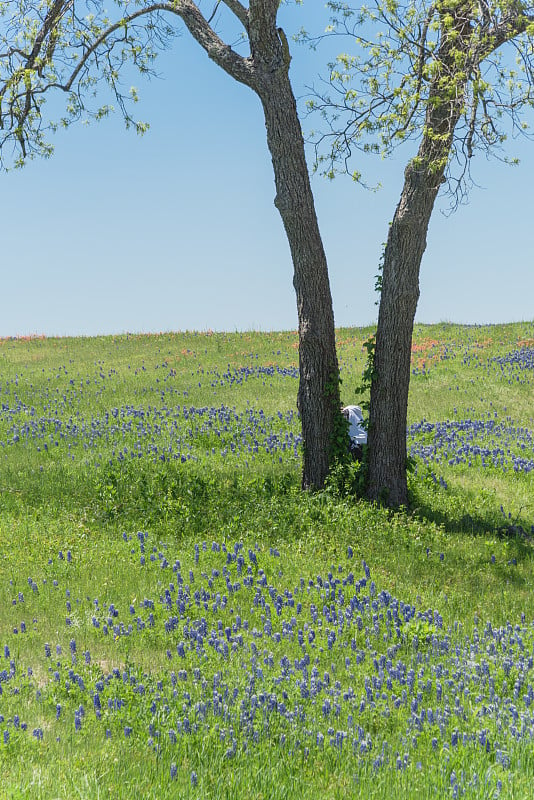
column 357, row 432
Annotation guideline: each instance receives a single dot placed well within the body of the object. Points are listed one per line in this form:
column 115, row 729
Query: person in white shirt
column 357, row 432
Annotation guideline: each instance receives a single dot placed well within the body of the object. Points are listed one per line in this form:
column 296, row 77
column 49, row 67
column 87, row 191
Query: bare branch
column 221, row 53
column 210, row 19
column 239, row 10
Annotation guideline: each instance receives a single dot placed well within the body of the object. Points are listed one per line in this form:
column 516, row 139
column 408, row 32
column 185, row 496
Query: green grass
column 220, row 410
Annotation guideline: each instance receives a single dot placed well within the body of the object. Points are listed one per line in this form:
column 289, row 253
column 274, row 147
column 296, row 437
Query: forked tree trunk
column 406, row 243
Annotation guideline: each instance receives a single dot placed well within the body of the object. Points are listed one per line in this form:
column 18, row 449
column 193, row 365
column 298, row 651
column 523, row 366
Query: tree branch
column 52, row 18
column 239, row 10
column 221, row 53
column 512, row 25
column 420, row 66
column 217, row 4
column 472, row 119
column 21, row 91
column 93, row 47
column 285, row 47
column 263, row 35
column 48, row 29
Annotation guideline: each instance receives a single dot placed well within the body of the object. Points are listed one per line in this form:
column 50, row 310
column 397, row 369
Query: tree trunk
column 406, row 243
column 266, row 72
column 318, row 395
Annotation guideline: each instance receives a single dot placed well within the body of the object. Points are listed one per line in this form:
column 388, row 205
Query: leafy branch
column 407, row 57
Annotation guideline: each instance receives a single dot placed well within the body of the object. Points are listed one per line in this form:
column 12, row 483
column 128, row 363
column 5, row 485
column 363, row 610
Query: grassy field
column 178, row 620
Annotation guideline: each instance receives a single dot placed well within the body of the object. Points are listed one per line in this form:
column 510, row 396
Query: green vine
column 339, row 449
column 347, row 477
column 369, row 372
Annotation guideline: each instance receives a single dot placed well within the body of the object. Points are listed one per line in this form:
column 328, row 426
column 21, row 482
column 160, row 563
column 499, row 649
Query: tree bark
column 406, row 243
column 318, row 395
column 387, row 480
column 266, row 71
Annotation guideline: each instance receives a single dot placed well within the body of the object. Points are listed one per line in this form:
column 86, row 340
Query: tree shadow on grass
column 473, row 523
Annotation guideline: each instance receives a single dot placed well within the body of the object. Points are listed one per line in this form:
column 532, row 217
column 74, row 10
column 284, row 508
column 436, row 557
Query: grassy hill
column 179, row 620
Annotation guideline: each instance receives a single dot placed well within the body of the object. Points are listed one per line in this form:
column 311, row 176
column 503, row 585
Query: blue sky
column 177, row 230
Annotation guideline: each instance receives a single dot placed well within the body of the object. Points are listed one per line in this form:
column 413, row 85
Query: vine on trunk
column 339, row 446
column 369, row 372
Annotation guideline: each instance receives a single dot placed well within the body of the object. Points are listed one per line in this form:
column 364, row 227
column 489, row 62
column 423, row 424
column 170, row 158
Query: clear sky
column 176, row 230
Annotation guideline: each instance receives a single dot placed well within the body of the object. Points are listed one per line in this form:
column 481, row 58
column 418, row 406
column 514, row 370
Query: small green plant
column 347, row 478
column 417, row 633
